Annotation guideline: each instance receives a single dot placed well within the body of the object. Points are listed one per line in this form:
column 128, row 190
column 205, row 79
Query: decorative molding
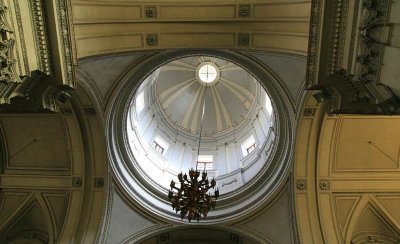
column 164, row 237
column 41, row 35
column 368, row 50
column 64, row 32
column 21, row 38
column 99, row 182
column 9, row 79
column 226, row 183
column 249, row 197
column 7, row 42
column 89, row 111
column 337, row 33
column 152, row 39
column 32, row 87
column 301, row 184
column 77, row 182
column 314, row 43
column 375, row 237
column 309, row 112
column 355, row 90
column 150, row 12
column 324, row 184
column 353, row 34
column 244, row 39
column 244, row 11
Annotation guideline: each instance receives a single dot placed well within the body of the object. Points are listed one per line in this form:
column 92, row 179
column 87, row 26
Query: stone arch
column 202, row 234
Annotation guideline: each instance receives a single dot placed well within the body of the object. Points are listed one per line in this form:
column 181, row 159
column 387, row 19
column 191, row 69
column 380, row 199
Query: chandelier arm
column 176, row 188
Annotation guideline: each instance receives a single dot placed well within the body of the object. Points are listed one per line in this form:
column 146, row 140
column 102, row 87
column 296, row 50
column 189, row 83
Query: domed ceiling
column 164, row 104
column 207, row 94
column 183, row 85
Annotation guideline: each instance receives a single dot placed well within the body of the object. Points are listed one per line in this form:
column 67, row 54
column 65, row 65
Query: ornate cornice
column 41, row 41
column 337, row 34
column 21, row 38
column 65, row 41
column 344, row 38
column 314, row 43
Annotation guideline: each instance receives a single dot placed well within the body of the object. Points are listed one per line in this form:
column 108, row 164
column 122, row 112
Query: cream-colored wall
column 53, row 186
column 345, row 186
column 108, row 26
column 347, row 174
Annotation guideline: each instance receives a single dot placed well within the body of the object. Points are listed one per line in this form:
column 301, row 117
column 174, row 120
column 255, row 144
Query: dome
column 157, row 130
column 228, row 90
column 201, row 94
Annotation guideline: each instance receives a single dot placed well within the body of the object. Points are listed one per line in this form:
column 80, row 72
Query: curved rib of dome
column 180, row 94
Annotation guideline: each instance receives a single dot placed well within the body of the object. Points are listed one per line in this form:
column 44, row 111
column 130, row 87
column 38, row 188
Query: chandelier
column 192, row 197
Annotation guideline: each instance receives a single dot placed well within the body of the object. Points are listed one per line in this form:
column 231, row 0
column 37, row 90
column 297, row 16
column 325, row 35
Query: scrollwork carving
column 63, row 24
column 9, row 79
column 369, row 51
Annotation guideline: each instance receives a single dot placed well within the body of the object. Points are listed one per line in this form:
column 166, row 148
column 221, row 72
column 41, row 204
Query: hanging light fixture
column 191, row 198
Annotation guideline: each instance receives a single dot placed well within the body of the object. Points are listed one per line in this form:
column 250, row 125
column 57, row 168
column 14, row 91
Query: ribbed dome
column 229, row 95
column 166, row 119
column 156, row 120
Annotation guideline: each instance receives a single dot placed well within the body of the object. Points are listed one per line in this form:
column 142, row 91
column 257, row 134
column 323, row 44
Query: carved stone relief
column 7, row 71
column 244, row 39
column 244, row 11
column 150, row 11
column 301, row 184
column 151, row 39
column 350, row 90
column 324, row 184
column 41, row 36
